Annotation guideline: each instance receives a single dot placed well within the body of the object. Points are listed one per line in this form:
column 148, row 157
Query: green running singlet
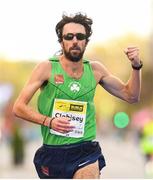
column 69, row 97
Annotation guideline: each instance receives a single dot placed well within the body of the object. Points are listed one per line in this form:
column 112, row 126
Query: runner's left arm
column 129, row 91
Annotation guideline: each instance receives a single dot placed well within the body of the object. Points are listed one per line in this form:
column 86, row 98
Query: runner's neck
column 73, row 69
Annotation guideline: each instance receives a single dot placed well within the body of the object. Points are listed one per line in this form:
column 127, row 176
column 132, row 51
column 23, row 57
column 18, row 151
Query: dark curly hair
column 77, row 18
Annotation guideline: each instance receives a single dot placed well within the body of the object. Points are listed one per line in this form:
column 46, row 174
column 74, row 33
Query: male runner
column 66, row 108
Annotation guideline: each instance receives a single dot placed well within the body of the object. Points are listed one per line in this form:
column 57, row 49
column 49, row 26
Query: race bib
column 76, row 111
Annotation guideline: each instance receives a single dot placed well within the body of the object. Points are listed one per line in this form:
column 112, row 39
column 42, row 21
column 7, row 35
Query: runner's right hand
column 62, row 125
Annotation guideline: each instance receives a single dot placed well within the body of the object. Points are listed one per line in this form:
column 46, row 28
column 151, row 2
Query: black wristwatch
column 138, row 67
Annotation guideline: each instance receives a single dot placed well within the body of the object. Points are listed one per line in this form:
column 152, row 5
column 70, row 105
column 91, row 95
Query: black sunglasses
column 70, row 36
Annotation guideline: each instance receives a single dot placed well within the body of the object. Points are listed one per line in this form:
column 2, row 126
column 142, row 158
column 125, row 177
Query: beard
column 73, row 56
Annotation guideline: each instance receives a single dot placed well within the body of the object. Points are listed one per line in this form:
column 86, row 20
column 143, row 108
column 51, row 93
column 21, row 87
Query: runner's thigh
column 90, row 171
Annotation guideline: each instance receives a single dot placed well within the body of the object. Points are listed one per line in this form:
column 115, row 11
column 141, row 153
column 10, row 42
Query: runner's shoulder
column 44, row 65
column 43, row 69
column 96, row 65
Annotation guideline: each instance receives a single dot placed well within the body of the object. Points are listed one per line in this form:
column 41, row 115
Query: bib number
column 76, row 111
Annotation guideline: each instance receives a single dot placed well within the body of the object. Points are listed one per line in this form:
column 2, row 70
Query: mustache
column 75, row 48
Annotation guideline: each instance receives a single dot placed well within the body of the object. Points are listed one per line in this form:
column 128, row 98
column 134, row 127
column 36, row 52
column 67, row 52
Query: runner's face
column 73, row 48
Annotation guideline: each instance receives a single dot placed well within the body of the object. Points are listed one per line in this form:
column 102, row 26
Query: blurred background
column 27, row 36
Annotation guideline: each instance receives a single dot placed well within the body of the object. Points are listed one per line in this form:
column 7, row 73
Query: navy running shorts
column 62, row 161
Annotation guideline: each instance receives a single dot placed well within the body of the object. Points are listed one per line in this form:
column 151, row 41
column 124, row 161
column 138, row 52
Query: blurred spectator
column 13, row 134
column 146, row 145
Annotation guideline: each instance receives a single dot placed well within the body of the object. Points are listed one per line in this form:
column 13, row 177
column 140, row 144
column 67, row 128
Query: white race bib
column 76, row 111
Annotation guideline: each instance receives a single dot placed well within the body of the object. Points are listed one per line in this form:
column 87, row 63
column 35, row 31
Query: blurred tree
column 16, row 73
